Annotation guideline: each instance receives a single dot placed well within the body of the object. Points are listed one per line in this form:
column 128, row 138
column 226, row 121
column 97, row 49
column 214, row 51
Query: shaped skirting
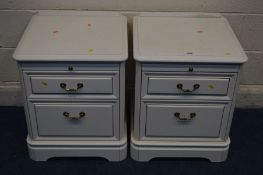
column 112, row 152
column 147, row 152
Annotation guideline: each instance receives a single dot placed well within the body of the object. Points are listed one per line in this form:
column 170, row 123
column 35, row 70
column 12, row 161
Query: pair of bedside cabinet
column 72, row 67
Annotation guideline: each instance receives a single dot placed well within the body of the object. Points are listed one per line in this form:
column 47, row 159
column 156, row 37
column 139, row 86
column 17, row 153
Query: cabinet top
column 74, row 36
column 182, row 37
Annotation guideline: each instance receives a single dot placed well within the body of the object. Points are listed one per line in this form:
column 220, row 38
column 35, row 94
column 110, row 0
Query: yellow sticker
column 227, row 53
column 44, row 83
column 210, row 86
column 90, row 50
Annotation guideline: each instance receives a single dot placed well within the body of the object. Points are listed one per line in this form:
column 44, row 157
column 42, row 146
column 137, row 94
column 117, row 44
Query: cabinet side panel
column 26, row 109
column 137, row 102
column 232, row 109
column 122, row 101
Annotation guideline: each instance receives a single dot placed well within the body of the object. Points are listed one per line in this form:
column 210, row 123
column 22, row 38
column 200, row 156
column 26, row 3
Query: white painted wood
column 77, row 99
column 64, row 36
column 189, row 68
column 52, row 122
column 177, row 53
column 43, row 150
column 162, row 122
column 189, row 38
column 143, row 154
column 251, row 6
column 163, row 84
column 72, row 67
column 50, row 84
column 181, row 143
column 155, row 123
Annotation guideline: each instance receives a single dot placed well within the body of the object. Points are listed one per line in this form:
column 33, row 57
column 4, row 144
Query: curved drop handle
column 64, row 86
column 185, row 118
column 67, row 115
column 195, row 87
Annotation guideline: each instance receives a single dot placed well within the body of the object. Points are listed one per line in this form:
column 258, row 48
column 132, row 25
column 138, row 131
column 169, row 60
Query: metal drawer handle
column 64, row 86
column 195, row 87
column 190, row 69
column 185, row 118
column 70, row 68
column 81, row 114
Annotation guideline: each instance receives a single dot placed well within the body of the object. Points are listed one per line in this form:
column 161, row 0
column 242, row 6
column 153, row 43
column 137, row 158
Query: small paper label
column 44, row 83
column 210, row 86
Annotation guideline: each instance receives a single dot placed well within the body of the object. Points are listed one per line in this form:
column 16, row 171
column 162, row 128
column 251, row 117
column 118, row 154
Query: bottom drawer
column 184, row 120
column 75, row 119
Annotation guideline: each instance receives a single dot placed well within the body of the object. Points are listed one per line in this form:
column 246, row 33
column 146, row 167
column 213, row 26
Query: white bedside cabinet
column 72, row 67
column 187, row 76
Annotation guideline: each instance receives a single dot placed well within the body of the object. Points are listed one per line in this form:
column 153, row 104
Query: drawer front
column 186, row 85
column 89, row 83
column 183, row 120
column 75, row 120
column 163, row 84
column 61, row 85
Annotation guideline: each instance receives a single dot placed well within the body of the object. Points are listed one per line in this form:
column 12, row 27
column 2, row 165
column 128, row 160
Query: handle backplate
column 67, row 115
column 195, row 87
column 191, row 116
column 64, row 86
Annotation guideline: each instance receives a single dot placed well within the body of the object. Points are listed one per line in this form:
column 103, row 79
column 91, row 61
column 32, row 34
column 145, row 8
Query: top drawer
column 171, row 85
column 100, row 84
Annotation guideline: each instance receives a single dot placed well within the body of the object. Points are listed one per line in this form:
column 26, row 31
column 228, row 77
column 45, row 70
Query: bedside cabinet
column 72, row 67
column 187, row 76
